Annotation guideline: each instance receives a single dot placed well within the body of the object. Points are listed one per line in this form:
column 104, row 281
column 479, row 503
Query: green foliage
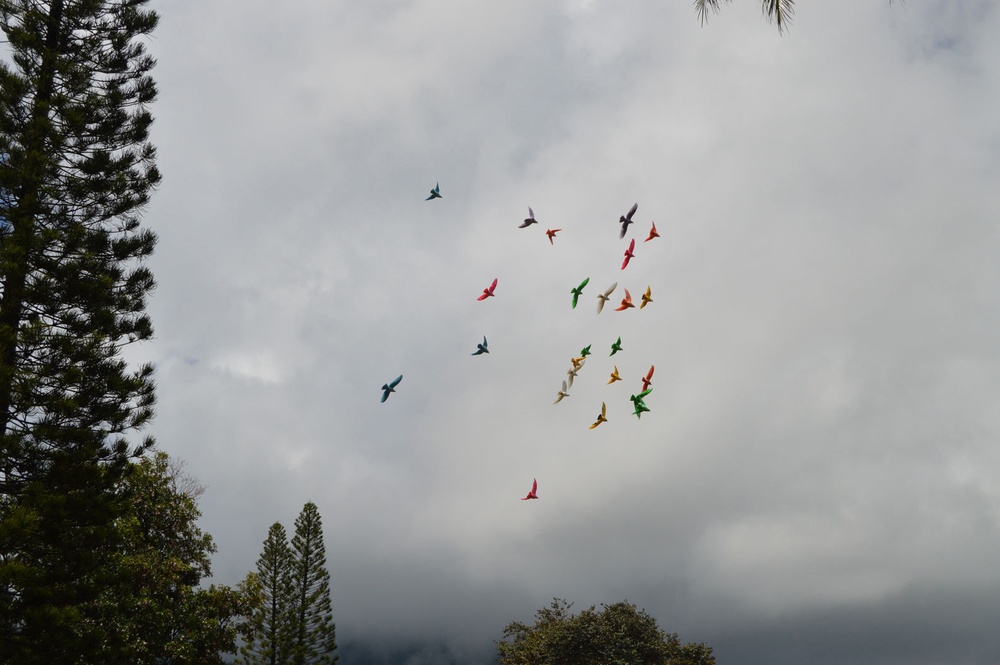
column 76, row 169
column 292, row 622
column 150, row 606
column 618, row 634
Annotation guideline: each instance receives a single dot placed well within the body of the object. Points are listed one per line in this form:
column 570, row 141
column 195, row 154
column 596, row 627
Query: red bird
column 626, row 302
column 648, row 379
column 533, row 494
column 652, row 233
column 629, row 255
column 551, row 233
column 488, row 291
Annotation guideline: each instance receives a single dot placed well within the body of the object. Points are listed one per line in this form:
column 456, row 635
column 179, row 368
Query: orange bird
column 602, row 417
column 614, row 376
column 626, row 302
column 551, row 233
column 533, row 494
column 648, row 379
column 652, row 233
column 488, row 291
column 647, row 298
column 629, row 253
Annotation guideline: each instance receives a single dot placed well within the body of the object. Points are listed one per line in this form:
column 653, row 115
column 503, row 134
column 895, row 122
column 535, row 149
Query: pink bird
column 652, row 233
column 626, row 302
column 629, row 255
column 488, row 291
column 648, row 379
column 551, row 233
column 533, row 494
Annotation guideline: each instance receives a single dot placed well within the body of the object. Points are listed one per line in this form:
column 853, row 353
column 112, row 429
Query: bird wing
column 396, row 381
column 635, row 206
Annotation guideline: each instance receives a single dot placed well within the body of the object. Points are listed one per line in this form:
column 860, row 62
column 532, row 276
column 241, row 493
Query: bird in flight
column 614, row 376
column 606, row 296
column 578, row 362
column 639, row 399
column 435, row 193
column 586, row 350
column 629, row 253
column 616, row 346
column 390, row 387
column 602, row 417
column 562, row 393
column 578, row 291
column 626, row 219
column 648, row 379
column 626, row 302
column 533, row 494
column 647, row 298
column 652, row 233
column 481, row 348
column 551, row 233
column 529, row 220
column 488, row 291
column 639, row 408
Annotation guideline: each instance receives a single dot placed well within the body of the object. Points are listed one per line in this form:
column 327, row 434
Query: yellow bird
column 602, row 416
column 614, row 376
column 647, row 298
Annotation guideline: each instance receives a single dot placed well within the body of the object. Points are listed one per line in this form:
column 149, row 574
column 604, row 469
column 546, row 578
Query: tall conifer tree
column 76, row 169
column 312, row 631
column 267, row 639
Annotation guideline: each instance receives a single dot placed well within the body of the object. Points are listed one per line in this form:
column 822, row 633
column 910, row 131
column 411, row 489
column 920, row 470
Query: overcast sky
column 818, row 478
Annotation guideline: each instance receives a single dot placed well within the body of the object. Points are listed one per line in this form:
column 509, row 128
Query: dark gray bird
column 625, row 220
column 481, row 348
column 390, row 387
column 529, row 220
column 435, row 193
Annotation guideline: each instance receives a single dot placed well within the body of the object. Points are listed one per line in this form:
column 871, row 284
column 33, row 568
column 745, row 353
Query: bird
column 648, row 379
column 601, row 417
column 639, row 408
column 577, row 365
column 481, row 348
column 629, row 255
column 626, row 302
column 578, row 362
column 488, row 291
column 529, row 220
column 639, row 399
column 614, row 376
column 578, row 291
column 562, row 393
column 390, row 387
column 533, row 494
column 551, row 233
column 606, row 296
column 647, row 298
column 616, row 346
column 435, row 193
column 585, row 351
column 652, row 233
column 626, row 219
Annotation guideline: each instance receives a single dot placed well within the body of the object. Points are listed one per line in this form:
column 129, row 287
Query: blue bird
column 481, row 348
column 435, row 193
column 390, row 387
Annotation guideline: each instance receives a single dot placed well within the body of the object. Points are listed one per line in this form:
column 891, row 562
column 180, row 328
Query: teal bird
column 481, row 348
column 586, row 351
column 616, row 347
column 578, row 291
column 435, row 193
column 390, row 387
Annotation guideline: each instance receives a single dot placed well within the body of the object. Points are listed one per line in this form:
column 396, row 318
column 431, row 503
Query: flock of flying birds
column 638, row 400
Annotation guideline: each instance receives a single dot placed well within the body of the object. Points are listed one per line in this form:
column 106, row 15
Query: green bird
column 616, row 347
column 639, row 408
column 638, row 399
column 578, row 291
column 586, row 351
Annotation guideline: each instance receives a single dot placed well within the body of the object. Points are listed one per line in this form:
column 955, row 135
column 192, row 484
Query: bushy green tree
column 76, row 169
column 151, row 607
column 618, row 634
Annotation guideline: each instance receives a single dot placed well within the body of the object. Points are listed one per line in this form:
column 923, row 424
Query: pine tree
column 312, row 634
column 76, row 169
column 267, row 635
